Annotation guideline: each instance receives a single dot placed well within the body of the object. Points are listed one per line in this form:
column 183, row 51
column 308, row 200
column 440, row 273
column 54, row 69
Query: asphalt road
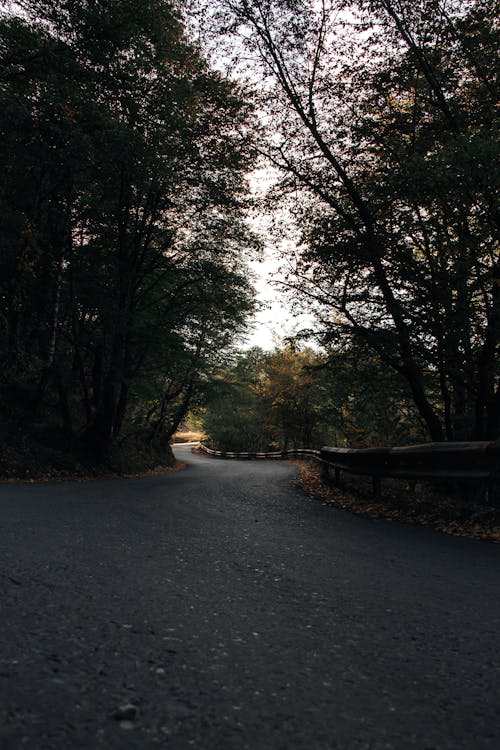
column 235, row 612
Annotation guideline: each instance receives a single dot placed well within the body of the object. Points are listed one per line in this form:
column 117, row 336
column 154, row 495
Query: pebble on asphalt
column 127, row 712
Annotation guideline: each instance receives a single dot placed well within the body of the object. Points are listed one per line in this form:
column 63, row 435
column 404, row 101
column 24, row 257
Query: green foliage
column 373, row 407
column 291, row 398
column 383, row 125
column 234, row 414
column 122, row 215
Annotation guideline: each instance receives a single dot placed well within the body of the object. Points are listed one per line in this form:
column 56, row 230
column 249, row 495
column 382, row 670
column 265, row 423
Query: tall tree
column 382, row 123
column 124, row 160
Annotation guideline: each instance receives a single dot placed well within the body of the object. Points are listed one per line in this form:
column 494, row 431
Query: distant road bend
column 232, row 611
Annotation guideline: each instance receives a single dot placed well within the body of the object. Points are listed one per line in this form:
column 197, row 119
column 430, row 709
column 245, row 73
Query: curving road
column 235, row 612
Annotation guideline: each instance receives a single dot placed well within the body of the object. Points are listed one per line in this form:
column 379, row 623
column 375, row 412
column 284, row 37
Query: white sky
column 274, row 320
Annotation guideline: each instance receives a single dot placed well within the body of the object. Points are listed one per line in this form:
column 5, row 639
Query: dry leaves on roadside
column 409, row 510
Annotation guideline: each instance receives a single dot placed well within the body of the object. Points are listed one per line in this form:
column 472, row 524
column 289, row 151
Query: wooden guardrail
column 462, row 461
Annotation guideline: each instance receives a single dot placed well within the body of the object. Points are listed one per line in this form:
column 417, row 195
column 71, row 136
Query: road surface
column 235, row 612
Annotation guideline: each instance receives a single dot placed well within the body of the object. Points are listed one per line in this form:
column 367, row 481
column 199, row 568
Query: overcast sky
column 272, row 322
column 275, row 319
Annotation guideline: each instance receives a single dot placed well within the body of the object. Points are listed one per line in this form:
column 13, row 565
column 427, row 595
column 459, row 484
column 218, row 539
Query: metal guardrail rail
column 277, row 455
column 462, row 461
column 469, row 461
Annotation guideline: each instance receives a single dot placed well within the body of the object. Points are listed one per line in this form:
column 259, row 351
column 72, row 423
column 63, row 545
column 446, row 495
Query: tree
column 372, row 405
column 274, row 400
column 123, row 222
column 234, row 414
column 382, row 123
column 296, row 398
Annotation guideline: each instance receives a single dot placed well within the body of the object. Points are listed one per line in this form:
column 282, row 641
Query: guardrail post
column 488, row 491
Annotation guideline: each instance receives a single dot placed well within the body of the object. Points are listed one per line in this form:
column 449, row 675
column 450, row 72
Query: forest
column 291, row 398
column 129, row 132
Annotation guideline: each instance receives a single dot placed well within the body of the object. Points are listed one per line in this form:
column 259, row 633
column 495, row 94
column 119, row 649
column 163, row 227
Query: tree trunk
column 410, row 368
column 183, row 408
column 487, row 408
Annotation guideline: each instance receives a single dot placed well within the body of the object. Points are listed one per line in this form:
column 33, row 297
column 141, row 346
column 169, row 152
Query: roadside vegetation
column 124, row 225
column 300, row 398
column 290, row 398
column 122, row 231
column 437, row 506
column 383, row 136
